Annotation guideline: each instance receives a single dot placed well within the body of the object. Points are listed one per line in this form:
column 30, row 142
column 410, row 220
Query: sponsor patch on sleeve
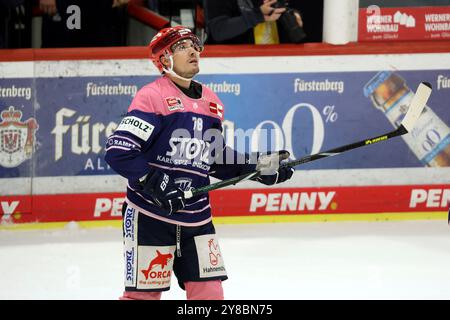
column 136, row 126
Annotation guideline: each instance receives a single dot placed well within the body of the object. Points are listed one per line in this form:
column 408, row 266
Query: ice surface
column 333, row 260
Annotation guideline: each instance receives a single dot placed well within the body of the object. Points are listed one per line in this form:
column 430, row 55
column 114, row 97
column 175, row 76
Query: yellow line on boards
column 440, row 215
column 333, row 217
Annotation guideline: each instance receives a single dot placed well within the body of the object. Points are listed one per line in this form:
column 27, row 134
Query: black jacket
column 232, row 21
column 227, row 21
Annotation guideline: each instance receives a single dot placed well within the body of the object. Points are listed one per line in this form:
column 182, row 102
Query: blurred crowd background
column 108, row 23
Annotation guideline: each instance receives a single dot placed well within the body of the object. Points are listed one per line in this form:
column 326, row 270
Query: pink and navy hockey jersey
column 166, row 130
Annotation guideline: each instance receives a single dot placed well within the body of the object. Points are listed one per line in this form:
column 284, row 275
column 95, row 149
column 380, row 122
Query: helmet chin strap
column 173, row 73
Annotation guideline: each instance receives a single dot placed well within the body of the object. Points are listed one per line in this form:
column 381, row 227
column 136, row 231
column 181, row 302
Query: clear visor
column 185, row 44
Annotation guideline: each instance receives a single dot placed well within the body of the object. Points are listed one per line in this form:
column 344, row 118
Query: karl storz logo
column 130, row 254
column 17, row 138
column 128, row 226
column 129, row 258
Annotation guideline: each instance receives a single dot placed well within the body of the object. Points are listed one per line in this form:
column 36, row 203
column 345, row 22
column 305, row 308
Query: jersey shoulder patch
column 136, row 126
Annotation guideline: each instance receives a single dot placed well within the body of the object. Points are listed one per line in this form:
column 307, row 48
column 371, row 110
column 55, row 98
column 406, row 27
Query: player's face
column 186, row 57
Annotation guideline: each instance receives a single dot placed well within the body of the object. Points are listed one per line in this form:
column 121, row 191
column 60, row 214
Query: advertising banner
column 18, row 128
column 405, row 20
column 303, row 113
column 53, row 132
column 246, row 203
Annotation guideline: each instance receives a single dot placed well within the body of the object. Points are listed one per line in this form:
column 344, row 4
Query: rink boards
column 253, row 205
column 56, row 116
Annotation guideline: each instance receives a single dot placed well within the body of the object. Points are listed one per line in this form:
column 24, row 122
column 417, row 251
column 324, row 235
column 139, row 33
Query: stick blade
column 417, row 105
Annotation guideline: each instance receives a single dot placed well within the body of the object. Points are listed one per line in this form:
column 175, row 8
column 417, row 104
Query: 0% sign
column 330, row 114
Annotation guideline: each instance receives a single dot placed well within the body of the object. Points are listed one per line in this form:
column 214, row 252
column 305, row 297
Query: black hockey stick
column 415, row 109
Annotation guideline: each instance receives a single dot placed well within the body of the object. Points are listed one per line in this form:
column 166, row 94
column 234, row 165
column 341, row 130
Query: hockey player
column 166, row 144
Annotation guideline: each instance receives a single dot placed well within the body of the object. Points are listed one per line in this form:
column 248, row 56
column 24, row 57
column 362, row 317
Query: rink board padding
column 416, row 201
column 58, row 106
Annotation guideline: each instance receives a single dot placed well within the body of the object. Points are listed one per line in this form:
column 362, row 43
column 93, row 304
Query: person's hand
column 48, row 7
column 281, row 175
column 160, row 187
column 271, row 14
column 271, row 171
column 118, row 3
column 299, row 19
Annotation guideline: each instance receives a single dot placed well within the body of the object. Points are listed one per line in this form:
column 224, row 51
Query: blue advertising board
column 312, row 111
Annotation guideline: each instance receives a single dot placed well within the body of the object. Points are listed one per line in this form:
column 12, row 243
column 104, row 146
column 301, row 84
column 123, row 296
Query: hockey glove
column 269, row 166
column 163, row 191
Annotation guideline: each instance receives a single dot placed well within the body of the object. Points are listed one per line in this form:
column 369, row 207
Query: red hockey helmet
column 162, row 43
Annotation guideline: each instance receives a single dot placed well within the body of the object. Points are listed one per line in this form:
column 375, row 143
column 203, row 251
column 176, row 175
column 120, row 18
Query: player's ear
column 165, row 61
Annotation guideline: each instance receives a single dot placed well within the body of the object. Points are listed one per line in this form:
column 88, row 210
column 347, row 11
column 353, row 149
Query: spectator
column 103, row 23
column 249, row 21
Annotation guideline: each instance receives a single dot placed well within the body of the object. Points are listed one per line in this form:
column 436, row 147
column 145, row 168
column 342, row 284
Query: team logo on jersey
column 216, row 109
column 183, row 183
column 17, row 138
column 174, row 103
